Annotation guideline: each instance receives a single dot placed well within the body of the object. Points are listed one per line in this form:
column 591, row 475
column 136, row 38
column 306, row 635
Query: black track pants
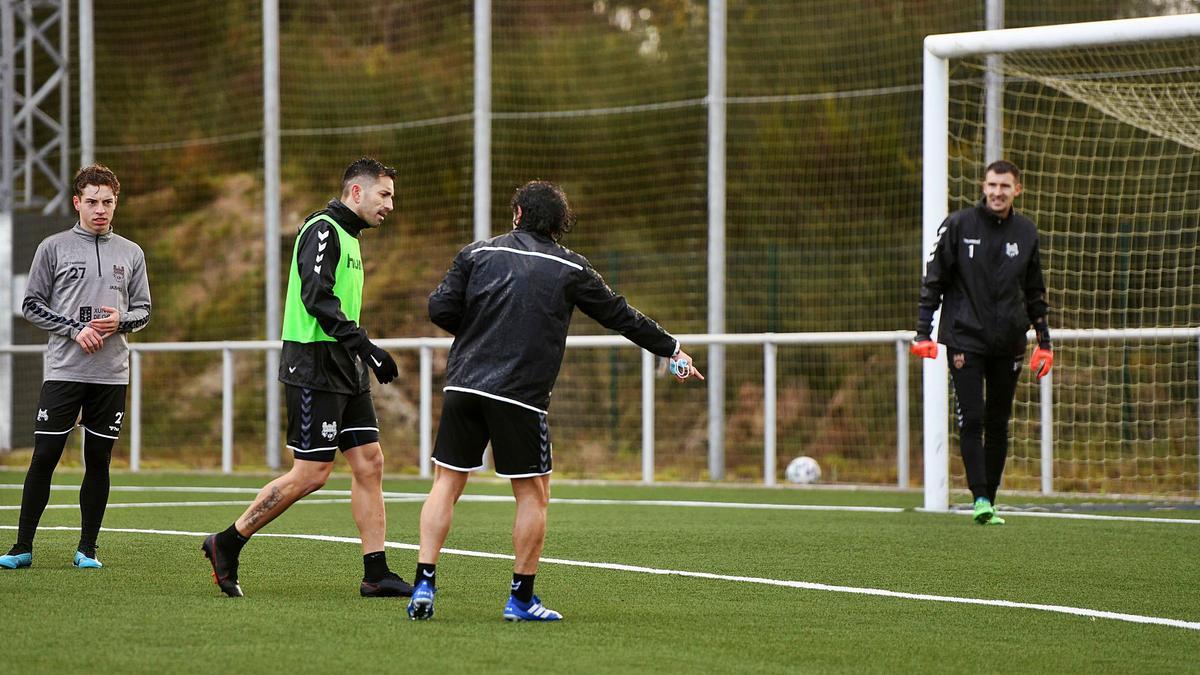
column 983, row 421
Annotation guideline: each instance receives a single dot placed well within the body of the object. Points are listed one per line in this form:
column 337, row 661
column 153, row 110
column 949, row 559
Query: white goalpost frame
column 939, row 49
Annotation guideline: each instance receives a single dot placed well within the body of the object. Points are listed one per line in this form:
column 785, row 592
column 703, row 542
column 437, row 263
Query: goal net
column 1107, row 138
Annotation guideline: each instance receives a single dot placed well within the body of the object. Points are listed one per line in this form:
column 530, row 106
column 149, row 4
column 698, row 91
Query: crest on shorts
column 960, row 360
column 329, row 430
column 1011, row 249
column 43, row 415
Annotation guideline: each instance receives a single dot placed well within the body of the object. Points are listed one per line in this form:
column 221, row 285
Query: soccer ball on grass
column 803, row 470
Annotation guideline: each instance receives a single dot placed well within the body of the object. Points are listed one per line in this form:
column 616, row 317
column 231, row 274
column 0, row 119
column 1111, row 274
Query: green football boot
column 995, row 519
column 984, row 511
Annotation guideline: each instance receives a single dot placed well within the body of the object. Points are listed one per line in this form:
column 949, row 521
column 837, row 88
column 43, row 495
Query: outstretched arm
column 612, row 311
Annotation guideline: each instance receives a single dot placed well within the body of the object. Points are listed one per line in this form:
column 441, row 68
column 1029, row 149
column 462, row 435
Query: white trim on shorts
column 524, row 475
column 295, row 449
column 98, row 434
column 494, row 398
column 455, row 468
column 358, row 429
column 56, row 433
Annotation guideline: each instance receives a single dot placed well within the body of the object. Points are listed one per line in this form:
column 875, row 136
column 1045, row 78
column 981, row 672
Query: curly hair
column 96, row 174
column 363, row 167
column 544, row 209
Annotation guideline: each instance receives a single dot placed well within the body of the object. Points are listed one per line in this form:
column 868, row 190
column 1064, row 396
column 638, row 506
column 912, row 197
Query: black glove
column 380, row 362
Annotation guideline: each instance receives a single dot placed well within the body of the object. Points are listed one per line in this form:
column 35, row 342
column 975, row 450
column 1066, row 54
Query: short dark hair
column 365, row 166
column 1003, row 166
column 544, row 209
column 96, row 174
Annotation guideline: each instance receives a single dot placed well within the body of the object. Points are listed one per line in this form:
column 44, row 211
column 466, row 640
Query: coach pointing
column 508, row 302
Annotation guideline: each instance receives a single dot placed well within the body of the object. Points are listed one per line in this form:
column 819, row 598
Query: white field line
column 416, row 496
column 1089, row 516
column 1076, row 516
column 136, row 505
column 854, row 590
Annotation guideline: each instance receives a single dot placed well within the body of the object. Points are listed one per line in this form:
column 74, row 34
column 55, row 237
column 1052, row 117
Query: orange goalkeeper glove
column 926, row 349
column 1042, row 362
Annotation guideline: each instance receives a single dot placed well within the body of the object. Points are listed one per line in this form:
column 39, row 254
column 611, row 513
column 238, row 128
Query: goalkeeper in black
column 324, row 367
column 985, row 272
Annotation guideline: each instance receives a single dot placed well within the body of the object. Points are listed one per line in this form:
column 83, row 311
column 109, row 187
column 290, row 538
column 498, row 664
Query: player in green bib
column 325, row 366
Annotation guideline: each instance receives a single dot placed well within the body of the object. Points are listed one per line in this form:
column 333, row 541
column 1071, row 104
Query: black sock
column 231, row 541
column 93, row 493
column 19, row 548
column 522, row 587
column 426, row 572
column 375, row 566
column 47, row 450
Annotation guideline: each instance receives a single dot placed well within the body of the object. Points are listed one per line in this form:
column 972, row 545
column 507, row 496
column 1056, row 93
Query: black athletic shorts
column 60, row 404
column 520, row 437
column 322, row 422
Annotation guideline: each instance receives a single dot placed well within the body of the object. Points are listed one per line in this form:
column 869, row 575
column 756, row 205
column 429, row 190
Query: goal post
column 938, row 153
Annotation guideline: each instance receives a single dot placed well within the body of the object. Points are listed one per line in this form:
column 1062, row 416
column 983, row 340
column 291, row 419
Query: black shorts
column 322, row 422
column 60, row 404
column 520, row 437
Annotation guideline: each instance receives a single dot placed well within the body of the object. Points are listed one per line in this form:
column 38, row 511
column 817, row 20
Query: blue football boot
column 13, row 561
column 516, row 610
column 85, row 562
column 421, row 605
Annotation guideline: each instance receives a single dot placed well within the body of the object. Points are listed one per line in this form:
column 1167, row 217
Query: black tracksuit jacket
column 508, row 302
column 986, row 272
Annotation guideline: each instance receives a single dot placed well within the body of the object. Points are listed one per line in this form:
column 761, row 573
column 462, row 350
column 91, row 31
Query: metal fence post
column 135, row 411
column 770, row 355
column 426, row 410
column 226, row 411
column 647, row 417
column 901, row 413
column 272, row 215
column 1047, row 407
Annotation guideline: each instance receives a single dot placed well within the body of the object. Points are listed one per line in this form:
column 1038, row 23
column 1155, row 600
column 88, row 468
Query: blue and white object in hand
column 681, row 368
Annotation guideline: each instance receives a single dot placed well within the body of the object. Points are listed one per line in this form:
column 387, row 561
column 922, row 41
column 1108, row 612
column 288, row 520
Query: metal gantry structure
column 35, row 139
column 37, row 123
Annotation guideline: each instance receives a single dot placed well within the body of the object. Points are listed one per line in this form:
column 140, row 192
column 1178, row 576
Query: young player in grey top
column 77, row 276
column 87, row 288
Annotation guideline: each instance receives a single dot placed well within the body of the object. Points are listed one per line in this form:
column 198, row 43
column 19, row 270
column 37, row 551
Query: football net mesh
column 608, row 98
column 1107, row 139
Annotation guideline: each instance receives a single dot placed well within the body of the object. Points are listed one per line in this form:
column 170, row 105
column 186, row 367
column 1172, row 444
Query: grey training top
column 74, row 274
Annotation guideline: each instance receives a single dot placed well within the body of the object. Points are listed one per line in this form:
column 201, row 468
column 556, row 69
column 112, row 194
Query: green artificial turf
column 153, row 608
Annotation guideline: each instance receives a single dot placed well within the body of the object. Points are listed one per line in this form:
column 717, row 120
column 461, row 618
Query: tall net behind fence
column 607, row 98
column 1108, row 140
